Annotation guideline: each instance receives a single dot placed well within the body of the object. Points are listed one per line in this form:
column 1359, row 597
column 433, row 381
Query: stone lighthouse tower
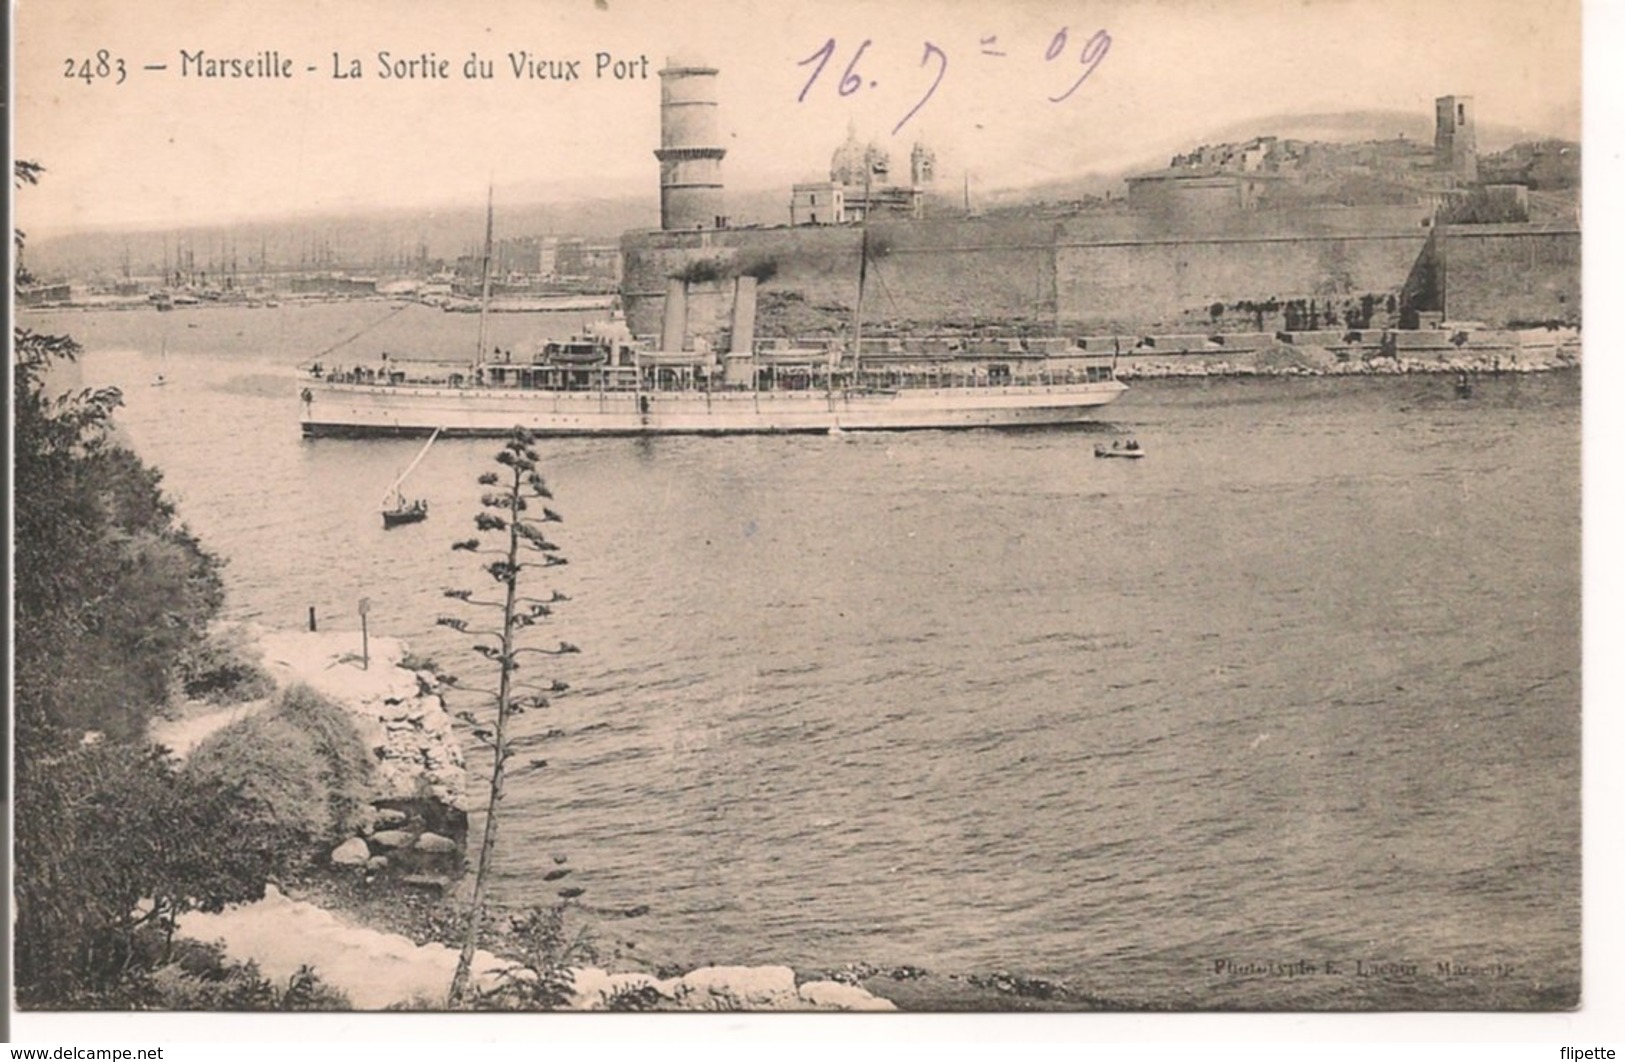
column 690, row 158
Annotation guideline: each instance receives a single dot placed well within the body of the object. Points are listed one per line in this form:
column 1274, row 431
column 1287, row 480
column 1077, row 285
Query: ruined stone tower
column 1455, row 140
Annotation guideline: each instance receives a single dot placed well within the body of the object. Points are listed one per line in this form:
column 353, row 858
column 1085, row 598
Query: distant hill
column 1341, row 127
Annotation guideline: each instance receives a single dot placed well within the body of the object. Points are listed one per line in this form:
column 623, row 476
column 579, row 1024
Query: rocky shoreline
column 428, row 920
column 382, row 920
column 1422, row 353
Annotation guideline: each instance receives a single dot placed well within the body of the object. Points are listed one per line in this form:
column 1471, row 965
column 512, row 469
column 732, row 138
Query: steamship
column 603, row 382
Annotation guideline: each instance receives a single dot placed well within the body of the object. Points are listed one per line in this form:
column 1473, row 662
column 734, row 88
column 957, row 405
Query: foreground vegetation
column 111, row 606
column 115, row 841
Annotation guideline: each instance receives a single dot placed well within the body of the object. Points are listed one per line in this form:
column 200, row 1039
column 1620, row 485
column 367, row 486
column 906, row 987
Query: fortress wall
column 1107, row 272
column 1300, row 221
column 1506, row 275
column 808, row 259
column 926, row 273
column 963, row 272
column 1338, row 220
column 1169, row 285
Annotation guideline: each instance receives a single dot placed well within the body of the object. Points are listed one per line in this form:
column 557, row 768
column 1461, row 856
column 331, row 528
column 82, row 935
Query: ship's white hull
column 343, row 409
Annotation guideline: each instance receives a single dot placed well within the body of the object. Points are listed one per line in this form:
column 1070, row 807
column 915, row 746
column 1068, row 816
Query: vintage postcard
column 927, row 507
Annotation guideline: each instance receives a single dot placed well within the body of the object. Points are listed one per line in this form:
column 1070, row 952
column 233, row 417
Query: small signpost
column 362, row 606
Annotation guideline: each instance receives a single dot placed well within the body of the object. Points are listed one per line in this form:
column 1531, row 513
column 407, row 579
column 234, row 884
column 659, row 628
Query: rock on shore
column 382, row 970
column 724, row 988
column 419, row 821
column 375, row 970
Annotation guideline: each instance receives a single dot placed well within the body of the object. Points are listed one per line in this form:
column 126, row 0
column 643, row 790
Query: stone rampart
column 1511, row 276
column 923, row 273
column 1112, row 271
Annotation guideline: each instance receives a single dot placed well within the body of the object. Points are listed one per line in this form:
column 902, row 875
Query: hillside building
column 860, row 185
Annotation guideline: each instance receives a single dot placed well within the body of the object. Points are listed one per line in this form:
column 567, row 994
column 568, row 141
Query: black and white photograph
column 933, row 507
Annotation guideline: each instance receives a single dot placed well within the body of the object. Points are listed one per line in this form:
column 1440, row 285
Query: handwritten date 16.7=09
column 934, row 60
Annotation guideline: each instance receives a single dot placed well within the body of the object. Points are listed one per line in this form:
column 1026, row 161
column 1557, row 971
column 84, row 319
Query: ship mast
column 485, row 278
column 395, row 487
column 863, row 269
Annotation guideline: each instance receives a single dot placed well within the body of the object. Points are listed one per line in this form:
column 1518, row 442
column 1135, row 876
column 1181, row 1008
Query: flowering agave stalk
column 511, row 534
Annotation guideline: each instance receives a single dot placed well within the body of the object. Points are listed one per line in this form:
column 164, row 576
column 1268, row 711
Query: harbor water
column 1286, row 714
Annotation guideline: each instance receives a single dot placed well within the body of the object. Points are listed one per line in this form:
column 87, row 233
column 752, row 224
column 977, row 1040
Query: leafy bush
column 110, row 589
column 301, row 764
column 702, row 270
column 200, row 977
column 631, row 998
column 112, row 845
column 550, row 951
column 761, row 267
column 419, row 1002
column 110, row 593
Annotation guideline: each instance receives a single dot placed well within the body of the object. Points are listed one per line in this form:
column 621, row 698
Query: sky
column 169, row 148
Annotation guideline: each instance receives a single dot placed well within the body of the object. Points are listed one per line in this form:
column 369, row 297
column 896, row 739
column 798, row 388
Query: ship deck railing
column 767, row 378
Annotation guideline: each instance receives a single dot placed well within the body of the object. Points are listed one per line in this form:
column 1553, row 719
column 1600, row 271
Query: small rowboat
column 405, row 512
column 1132, row 449
column 397, row 510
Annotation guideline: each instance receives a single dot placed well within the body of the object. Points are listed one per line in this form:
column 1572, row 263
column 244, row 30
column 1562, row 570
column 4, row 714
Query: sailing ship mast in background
column 485, row 278
column 863, row 264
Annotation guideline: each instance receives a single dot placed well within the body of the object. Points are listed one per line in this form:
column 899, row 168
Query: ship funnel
column 743, row 338
column 739, row 369
column 674, row 321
